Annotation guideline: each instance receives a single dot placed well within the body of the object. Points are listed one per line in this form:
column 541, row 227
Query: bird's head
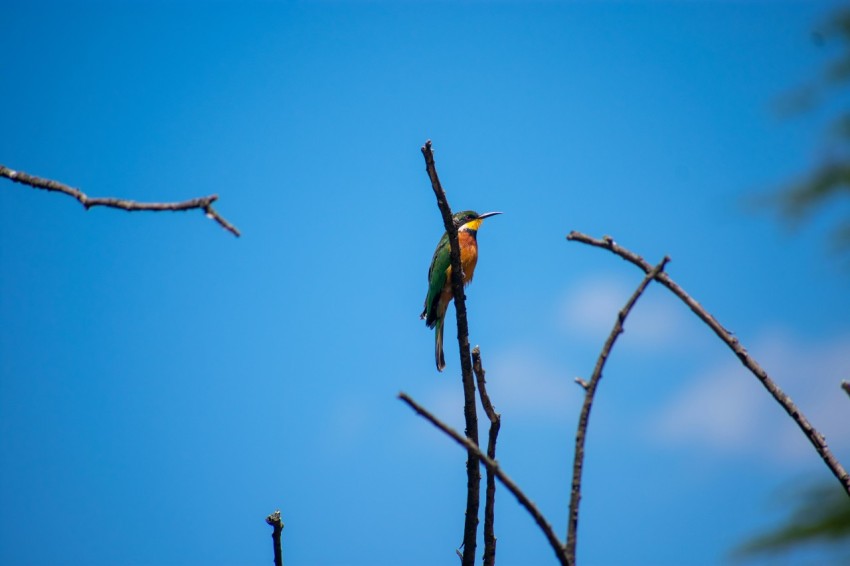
column 470, row 220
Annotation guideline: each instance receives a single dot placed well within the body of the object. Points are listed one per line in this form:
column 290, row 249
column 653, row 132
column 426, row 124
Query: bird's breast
column 468, row 254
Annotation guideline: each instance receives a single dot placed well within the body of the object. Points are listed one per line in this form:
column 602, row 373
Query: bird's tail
column 438, row 345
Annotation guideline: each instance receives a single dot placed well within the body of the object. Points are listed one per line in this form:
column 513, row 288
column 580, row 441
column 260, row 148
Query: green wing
column 437, row 279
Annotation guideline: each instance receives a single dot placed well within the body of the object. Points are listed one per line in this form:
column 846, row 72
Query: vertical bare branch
column 277, row 526
column 815, row 437
column 473, row 473
column 490, row 492
column 590, row 391
column 490, row 464
column 202, row 203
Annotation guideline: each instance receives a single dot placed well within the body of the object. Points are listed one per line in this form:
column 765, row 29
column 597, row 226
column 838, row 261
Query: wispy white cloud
column 589, row 309
column 522, row 383
column 726, row 409
column 525, row 383
column 590, row 305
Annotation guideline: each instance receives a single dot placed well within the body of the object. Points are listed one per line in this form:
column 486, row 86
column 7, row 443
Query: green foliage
column 830, row 180
column 821, row 516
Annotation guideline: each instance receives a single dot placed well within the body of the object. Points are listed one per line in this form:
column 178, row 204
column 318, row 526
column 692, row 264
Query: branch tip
column 274, row 519
column 277, row 526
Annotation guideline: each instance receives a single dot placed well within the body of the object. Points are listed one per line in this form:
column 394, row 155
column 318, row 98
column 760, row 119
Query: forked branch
column 815, row 437
column 589, row 392
column 202, row 203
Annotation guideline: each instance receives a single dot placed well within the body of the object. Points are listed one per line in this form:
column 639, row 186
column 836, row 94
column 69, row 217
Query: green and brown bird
column 440, row 273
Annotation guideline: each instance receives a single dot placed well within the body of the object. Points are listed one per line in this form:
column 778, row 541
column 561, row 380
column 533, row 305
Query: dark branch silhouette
column 473, row 473
column 202, row 203
column 589, row 392
column 490, row 492
column 277, row 526
column 815, row 437
column 845, row 385
column 560, row 551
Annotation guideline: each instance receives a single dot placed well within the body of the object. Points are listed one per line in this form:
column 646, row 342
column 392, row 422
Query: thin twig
column 277, row 526
column 473, row 473
column 815, row 437
column 590, row 391
column 202, row 203
column 490, row 492
column 490, row 464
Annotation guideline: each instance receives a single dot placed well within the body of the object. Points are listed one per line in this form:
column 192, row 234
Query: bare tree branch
column 590, row 391
column 815, row 437
column 473, row 473
column 277, row 526
column 202, row 203
column 490, row 464
column 490, row 492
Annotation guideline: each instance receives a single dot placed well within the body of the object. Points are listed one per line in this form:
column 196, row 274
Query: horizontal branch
column 202, row 203
column 493, row 466
column 815, row 437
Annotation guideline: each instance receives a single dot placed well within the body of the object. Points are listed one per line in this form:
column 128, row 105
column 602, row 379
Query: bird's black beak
column 487, row 214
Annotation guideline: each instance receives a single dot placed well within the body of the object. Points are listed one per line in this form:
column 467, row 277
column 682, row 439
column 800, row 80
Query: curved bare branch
column 815, row 437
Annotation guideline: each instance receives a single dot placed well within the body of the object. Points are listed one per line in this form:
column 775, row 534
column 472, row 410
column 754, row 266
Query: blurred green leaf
column 831, row 179
column 821, row 516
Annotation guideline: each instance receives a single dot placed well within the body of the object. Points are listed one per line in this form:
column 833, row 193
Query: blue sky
column 164, row 385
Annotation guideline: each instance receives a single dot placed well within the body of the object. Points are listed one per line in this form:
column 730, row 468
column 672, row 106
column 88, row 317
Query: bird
column 440, row 274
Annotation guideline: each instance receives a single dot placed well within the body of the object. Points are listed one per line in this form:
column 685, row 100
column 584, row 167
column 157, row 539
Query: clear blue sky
column 164, row 385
